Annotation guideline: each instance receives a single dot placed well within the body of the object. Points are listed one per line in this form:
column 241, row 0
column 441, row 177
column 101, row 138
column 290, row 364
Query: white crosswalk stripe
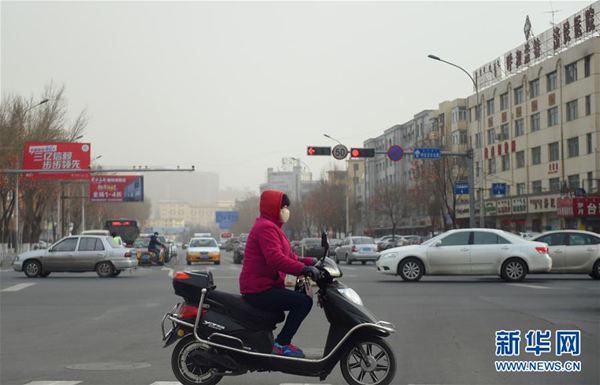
column 18, row 287
column 55, row 383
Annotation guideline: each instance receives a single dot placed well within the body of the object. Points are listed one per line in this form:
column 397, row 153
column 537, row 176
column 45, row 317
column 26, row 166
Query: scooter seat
column 244, row 313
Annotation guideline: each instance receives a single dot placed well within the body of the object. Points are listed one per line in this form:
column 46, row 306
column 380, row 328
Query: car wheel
column 411, row 269
column 105, row 269
column 32, row 269
column 596, row 273
column 217, row 262
column 116, row 273
column 45, row 274
column 513, row 270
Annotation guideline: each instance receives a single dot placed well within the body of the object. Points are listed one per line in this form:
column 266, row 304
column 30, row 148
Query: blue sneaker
column 290, row 350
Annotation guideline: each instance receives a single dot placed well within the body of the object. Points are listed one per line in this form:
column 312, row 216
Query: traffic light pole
column 469, row 155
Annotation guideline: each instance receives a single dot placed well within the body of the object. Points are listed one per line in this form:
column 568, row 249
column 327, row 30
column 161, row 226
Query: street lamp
column 327, row 136
column 471, row 155
column 347, row 187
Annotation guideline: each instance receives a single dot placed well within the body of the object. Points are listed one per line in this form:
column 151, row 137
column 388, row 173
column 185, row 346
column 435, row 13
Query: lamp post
column 471, row 157
column 17, row 187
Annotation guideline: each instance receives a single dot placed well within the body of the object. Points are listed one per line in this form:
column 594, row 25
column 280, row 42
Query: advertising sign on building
column 519, row 206
column 503, row 207
column 57, row 156
column 579, row 207
column 116, row 189
column 489, row 208
column 542, row 204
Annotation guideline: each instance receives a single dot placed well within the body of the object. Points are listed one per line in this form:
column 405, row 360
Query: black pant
column 299, row 305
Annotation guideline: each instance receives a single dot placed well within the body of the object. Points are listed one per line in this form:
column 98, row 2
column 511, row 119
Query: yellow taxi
column 203, row 250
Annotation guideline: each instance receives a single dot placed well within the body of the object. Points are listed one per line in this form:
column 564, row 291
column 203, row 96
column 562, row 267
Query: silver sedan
column 77, row 253
column 361, row 249
column 573, row 251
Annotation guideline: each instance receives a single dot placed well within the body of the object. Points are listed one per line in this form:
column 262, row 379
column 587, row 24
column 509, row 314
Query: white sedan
column 77, row 253
column 468, row 252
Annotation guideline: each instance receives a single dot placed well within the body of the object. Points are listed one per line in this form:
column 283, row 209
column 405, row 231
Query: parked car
column 230, row 244
column 296, row 247
column 333, row 246
column 411, row 240
column 381, row 241
column 238, row 250
column 311, row 247
column 529, row 234
column 203, row 250
column 468, row 252
column 361, row 249
column 145, row 257
column 77, row 253
column 573, row 251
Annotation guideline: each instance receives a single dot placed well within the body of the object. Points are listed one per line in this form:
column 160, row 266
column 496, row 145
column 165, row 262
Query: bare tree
column 390, row 200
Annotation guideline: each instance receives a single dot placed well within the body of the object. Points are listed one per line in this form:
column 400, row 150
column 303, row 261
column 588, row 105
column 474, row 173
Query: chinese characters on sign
column 569, row 32
column 567, row 342
column 579, row 207
column 123, row 188
column 57, row 156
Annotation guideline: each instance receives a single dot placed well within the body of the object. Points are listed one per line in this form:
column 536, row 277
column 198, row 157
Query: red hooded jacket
column 268, row 256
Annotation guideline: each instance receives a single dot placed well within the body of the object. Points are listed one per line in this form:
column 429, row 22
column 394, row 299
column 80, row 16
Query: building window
column 518, row 95
column 521, row 159
column 552, row 116
column 477, row 169
column 521, row 189
column 536, row 186
column 477, row 141
column 574, row 182
column 572, row 110
column 504, row 101
column 490, row 106
column 588, row 141
column 491, row 136
column 553, row 154
column 492, row 166
column 534, row 88
column 551, row 81
column 505, row 162
column 519, row 128
column 505, row 132
column 536, row 155
column 554, row 184
column 573, row 145
column 535, row 122
column 587, row 67
column 588, row 105
column 571, row 73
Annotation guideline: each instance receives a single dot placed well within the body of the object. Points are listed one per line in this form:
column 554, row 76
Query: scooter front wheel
column 188, row 368
column 370, row 361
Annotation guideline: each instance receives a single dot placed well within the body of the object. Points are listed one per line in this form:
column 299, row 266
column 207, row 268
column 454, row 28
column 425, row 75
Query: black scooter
column 229, row 337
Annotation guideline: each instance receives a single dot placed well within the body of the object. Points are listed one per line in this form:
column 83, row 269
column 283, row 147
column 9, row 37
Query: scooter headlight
column 351, row 295
column 389, row 255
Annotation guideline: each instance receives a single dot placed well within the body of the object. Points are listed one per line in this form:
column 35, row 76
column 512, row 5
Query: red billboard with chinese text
column 579, row 207
column 117, row 188
column 57, row 156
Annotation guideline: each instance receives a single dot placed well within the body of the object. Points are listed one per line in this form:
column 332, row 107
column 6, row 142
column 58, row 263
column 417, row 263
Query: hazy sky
column 233, row 87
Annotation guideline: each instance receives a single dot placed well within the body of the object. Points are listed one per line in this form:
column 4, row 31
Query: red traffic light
column 362, row 152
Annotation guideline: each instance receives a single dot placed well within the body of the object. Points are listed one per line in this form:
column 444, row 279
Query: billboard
column 122, row 188
column 57, row 156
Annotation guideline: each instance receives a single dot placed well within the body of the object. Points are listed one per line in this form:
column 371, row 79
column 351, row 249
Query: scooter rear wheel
column 188, row 370
column 377, row 368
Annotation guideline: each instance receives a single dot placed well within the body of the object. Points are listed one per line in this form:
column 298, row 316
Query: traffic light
column 362, row 152
column 312, row 150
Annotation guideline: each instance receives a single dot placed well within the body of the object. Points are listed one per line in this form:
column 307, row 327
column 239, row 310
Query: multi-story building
column 292, row 181
column 540, row 131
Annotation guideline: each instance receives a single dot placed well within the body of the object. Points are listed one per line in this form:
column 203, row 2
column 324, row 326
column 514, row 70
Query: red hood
column 270, row 204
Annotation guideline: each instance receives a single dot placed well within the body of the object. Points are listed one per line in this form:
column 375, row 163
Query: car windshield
column 141, row 243
column 243, row 238
column 363, row 241
column 203, row 242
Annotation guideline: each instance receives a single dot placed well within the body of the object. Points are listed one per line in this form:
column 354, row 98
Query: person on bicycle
column 267, row 259
column 153, row 246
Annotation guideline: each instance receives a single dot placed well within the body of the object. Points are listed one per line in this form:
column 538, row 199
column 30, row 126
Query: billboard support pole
column 17, row 213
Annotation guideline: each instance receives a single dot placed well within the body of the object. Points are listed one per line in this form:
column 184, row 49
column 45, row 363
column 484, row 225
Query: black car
column 333, row 244
column 311, row 247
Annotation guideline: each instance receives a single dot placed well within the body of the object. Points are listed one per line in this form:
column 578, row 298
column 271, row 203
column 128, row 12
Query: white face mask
column 284, row 214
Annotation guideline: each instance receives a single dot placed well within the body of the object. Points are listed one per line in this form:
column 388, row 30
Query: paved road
column 446, row 326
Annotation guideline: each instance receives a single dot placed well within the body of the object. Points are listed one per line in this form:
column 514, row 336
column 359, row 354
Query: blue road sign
column 227, row 216
column 461, row 188
column 498, row 188
column 395, row 153
column 427, row 153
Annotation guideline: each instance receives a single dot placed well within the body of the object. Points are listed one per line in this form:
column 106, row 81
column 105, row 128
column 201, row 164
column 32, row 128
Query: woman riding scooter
column 267, row 259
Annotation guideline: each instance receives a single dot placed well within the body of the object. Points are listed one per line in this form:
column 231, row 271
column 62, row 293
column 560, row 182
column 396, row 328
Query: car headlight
column 351, row 295
column 389, row 255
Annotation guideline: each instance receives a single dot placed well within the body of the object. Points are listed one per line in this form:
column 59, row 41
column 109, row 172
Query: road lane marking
column 349, row 268
column 165, row 268
column 54, row 383
column 234, row 267
column 18, row 287
column 165, row 383
column 526, row 285
column 7, row 270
